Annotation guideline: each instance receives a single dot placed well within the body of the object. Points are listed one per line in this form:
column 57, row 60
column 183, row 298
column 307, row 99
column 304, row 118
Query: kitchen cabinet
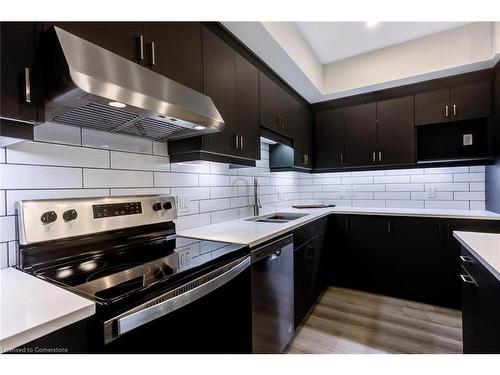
column 418, row 259
column 302, row 138
column 329, row 138
column 232, row 82
column 395, row 131
column 360, row 134
column 309, row 266
column 462, row 102
column 219, row 84
column 177, row 50
column 247, row 109
column 18, row 95
column 277, row 107
column 123, row 38
column 480, row 307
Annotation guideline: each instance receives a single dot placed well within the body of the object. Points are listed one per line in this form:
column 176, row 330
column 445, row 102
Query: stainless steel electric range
column 155, row 292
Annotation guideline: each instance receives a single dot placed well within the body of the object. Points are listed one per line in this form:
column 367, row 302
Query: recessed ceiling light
column 117, row 104
column 371, row 24
column 199, row 127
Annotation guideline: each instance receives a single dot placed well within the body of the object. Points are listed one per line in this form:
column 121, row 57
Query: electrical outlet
column 183, row 204
column 467, row 139
column 431, row 192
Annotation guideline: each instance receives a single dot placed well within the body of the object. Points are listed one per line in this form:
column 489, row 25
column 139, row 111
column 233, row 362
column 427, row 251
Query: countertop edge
column 41, row 330
column 477, row 255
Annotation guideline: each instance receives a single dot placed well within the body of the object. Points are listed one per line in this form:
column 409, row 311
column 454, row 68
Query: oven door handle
column 195, row 289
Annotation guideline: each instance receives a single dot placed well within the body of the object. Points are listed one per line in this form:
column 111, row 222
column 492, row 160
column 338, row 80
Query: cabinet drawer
column 308, row 232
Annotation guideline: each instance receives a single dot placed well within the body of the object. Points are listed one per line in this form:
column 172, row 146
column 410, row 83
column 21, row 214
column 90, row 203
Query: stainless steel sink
column 278, row 217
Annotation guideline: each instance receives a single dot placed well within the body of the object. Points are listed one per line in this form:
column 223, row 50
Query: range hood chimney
column 86, row 85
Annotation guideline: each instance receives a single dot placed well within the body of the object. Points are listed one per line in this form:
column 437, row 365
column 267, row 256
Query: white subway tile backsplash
column 127, row 160
column 13, row 254
column 119, row 165
column 13, row 176
column 102, row 178
column 18, row 195
column 432, row 178
column 175, row 179
column 477, row 168
column 36, row 153
column 476, row 177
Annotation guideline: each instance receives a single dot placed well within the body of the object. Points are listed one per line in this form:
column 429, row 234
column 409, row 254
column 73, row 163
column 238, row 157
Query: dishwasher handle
column 273, row 249
column 173, row 300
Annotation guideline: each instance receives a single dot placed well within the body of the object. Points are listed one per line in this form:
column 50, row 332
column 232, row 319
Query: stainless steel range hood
column 86, row 85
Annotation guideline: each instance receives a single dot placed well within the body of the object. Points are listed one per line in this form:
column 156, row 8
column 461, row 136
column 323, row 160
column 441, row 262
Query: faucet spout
column 256, row 200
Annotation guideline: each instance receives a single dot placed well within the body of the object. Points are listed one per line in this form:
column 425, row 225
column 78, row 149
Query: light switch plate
column 431, row 193
column 183, row 204
column 467, row 139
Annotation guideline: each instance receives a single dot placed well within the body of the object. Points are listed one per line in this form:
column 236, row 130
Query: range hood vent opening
column 88, row 86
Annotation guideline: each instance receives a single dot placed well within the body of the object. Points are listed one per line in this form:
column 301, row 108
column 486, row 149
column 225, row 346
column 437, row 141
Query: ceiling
column 333, row 41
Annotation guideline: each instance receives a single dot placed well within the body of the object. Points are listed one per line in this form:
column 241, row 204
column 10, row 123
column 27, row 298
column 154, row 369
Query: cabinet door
column 329, row 136
column 122, row 38
column 430, row 107
column 247, row 108
column 219, row 84
column 18, row 97
column 271, row 103
column 178, row 51
column 371, row 243
column 360, row 134
column 395, row 131
column 489, row 304
column 472, row 326
column 302, row 138
column 418, row 259
column 471, row 101
column 303, row 269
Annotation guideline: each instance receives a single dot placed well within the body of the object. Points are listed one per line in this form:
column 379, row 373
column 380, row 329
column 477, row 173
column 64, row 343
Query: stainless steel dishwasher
column 272, row 296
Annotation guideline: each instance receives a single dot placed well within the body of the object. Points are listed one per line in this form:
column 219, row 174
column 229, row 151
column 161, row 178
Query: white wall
column 72, row 162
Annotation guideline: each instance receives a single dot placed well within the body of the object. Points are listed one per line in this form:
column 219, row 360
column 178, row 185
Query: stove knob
column 157, row 206
column 48, row 217
column 70, row 215
column 167, row 205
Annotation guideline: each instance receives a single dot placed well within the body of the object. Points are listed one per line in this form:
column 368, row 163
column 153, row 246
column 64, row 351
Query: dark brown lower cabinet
column 480, row 307
column 406, row 257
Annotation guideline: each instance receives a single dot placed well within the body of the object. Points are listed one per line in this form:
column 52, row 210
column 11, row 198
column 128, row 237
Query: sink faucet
column 256, row 200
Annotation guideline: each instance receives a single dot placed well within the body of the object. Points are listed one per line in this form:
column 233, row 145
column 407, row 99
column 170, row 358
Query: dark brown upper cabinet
column 18, row 96
column 395, row 131
column 458, row 103
column 219, row 83
column 174, row 50
column 277, row 107
column 329, row 138
column 302, row 138
column 247, row 109
column 123, row 38
column 360, row 134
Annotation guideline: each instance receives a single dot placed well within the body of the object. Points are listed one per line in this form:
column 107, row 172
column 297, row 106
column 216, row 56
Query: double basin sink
column 278, row 217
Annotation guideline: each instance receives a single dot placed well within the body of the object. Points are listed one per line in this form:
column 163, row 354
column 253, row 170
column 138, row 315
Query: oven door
column 211, row 314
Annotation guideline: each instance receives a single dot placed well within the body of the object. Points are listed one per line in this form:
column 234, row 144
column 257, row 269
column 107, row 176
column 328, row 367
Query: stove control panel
column 50, row 219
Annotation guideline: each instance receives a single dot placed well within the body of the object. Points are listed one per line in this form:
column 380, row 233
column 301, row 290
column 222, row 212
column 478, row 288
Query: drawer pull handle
column 467, row 279
column 466, row 259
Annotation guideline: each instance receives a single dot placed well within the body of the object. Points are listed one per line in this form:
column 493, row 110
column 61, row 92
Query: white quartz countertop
column 252, row 233
column 31, row 308
column 484, row 246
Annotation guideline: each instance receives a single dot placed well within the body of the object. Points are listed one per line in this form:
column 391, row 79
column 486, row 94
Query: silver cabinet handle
column 174, row 300
column 380, row 156
column 140, row 39
column 153, row 55
column 241, row 142
column 342, row 159
column 236, row 141
column 446, row 111
column 454, row 110
column 467, row 279
column 466, row 259
column 373, row 157
column 27, row 85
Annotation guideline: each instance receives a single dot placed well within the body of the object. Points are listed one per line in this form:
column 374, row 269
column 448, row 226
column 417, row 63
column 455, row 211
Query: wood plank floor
column 349, row 321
